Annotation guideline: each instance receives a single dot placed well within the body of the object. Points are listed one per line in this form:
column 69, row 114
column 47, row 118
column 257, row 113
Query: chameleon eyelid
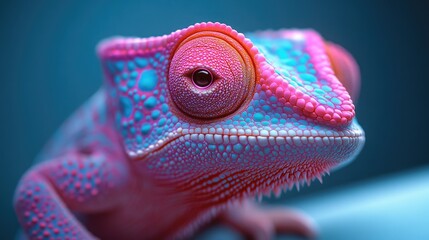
column 188, row 73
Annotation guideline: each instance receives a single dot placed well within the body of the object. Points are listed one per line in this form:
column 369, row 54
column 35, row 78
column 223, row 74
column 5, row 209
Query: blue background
column 48, row 68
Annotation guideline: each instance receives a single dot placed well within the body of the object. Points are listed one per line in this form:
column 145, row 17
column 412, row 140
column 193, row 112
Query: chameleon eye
column 210, row 76
column 202, row 78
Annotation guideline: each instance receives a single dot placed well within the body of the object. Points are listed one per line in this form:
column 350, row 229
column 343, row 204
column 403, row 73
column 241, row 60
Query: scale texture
column 190, row 127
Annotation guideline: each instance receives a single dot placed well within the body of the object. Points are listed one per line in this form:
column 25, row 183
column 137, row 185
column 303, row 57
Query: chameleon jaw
column 261, row 138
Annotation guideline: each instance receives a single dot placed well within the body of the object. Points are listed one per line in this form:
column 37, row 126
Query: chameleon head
column 224, row 116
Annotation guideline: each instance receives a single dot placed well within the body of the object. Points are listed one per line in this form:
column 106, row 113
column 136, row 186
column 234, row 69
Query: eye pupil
column 202, row 78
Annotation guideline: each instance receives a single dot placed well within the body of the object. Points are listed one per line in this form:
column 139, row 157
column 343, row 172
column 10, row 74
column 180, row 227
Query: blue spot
column 308, row 77
column 212, row 147
column 304, row 58
column 141, row 62
column 131, row 83
column 274, row 120
column 145, row 128
column 155, row 114
column 258, row 117
column 125, row 106
column 289, row 61
column 124, row 75
column 119, row 65
column 336, row 100
column 162, row 58
column 296, row 52
column 117, row 79
column 138, row 116
column 164, row 108
column 301, row 68
column 238, row 148
column 159, row 131
column 123, row 88
column 131, row 66
column 273, row 99
column 150, row 103
column 266, row 108
column 134, row 74
column 228, row 148
column 267, row 150
column 161, row 122
column 148, row 80
column 326, row 88
column 136, row 97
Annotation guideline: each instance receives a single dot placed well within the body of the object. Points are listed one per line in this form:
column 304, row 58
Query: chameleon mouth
column 262, row 138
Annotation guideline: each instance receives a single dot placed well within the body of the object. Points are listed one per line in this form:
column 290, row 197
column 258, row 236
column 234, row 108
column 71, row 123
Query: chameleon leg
column 256, row 222
column 49, row 194
column 43, row 214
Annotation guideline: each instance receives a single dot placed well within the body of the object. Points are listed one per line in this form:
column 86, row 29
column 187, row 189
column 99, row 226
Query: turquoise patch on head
column 164, row 108
column 162, row 122
column 326, row 88
column 138, row 116
column 141, row 62
column 148, row 80
column 336, row 100
column 131, row 66
column 155, row 114
column 308, row 77
column 150, row 103
column 145, row 129
column 258, row 117
column 289, row 61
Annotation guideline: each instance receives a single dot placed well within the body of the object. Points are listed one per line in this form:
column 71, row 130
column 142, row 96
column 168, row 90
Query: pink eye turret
column 210, row 76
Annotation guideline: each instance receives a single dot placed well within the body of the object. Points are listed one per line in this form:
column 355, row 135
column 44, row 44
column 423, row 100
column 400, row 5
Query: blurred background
column 49, row 68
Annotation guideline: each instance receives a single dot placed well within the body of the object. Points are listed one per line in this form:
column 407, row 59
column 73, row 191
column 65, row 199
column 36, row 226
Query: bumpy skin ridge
column 142, row 160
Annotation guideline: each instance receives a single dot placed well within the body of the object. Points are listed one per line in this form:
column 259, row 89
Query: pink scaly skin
column 187, row 128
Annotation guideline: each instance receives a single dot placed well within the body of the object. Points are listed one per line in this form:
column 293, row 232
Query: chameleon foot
column 256, row 222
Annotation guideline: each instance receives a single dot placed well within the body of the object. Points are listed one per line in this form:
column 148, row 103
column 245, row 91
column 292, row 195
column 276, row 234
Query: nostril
column 86, row 150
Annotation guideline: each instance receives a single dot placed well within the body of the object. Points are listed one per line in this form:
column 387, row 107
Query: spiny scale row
column 265, row 141
column 271, row 133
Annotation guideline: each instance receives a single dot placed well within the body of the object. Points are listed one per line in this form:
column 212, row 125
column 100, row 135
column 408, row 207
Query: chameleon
column 191, row 128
